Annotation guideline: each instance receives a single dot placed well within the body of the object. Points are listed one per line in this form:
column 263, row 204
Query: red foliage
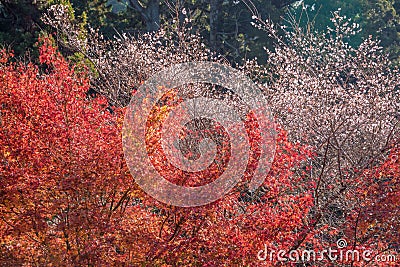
column 63, row 173
column 375, row 223
column 67, row 198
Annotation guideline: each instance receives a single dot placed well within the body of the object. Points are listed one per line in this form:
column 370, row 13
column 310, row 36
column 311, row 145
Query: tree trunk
column 215, row 20
column 153, row 15
column 150, row 13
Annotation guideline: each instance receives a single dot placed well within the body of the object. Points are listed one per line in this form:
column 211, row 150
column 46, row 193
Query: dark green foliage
column 225, row 24
column 239, row 38
column 94, row 12
column 382, row 20
column 20, row 24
